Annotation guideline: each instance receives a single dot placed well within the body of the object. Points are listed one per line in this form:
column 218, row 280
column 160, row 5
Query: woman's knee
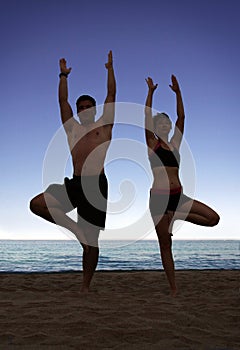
column 214, row 219
column 164, row 234
column 165, row 241
column 166, row 244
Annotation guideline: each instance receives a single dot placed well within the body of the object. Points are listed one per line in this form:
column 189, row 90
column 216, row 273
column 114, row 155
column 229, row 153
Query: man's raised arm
column 65, row 108
column 109, row 105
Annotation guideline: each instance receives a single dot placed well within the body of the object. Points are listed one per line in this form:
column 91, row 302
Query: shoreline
column 111, row 271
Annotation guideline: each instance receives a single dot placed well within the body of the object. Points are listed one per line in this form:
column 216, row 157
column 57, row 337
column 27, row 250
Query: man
column 87, row 191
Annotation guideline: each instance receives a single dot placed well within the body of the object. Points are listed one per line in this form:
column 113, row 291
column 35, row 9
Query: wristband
column 63, row 75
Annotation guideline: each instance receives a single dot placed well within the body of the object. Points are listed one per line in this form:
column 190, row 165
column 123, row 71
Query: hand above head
column 150, row 84
column 109, row 63
column 175, row 86
column 63, row 66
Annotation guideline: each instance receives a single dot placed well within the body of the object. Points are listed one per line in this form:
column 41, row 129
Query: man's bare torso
column 88, row 146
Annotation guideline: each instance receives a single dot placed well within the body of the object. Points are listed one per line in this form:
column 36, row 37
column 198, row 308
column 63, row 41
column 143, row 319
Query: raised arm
column 109, row 105
column 149, row 126
column 179, row 125
column 65, row 108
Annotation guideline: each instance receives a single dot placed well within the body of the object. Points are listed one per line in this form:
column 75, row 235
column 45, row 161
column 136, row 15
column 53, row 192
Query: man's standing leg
column 90, row 257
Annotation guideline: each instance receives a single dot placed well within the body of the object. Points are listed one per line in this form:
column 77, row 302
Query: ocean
column 64, row 256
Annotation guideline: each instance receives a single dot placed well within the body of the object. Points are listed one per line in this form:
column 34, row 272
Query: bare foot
column 84, row 290
column 174, row 293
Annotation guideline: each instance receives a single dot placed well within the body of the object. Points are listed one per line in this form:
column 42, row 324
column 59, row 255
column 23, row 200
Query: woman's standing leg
column 165, row 244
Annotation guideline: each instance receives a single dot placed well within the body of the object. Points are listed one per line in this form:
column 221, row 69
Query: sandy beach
column 124, row 310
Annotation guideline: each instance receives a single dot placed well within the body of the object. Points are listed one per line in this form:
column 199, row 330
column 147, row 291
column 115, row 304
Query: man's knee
column 91, row 233
column 35, row 204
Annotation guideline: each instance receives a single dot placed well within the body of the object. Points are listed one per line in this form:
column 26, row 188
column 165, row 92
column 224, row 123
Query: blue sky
column 196, row 41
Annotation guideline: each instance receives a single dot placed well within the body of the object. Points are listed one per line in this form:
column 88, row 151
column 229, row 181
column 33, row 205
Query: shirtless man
column 87, row 191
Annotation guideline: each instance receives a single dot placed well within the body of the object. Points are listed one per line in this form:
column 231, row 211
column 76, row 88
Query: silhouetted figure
column 87, row 190
column 167, row 201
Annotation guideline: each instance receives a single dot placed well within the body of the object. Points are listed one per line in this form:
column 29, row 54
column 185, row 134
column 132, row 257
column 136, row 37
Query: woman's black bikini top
column 164, row 157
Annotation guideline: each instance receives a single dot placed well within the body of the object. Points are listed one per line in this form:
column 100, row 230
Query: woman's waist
column 166, row 174
column 166, row 184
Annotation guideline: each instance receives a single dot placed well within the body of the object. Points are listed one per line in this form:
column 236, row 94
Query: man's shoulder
column 71, row 124
column 101, row 123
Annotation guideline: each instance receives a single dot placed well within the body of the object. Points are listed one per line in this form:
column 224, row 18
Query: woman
column 167, row 201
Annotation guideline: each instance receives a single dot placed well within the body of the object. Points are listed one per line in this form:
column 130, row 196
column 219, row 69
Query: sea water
column 63, row 256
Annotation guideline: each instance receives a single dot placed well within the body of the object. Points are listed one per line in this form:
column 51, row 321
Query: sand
column 124, row 310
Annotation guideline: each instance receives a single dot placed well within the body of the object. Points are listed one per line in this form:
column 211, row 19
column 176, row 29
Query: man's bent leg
column 47, row 207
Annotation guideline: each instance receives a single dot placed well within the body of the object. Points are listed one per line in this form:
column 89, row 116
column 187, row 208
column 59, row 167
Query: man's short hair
column 86, row 98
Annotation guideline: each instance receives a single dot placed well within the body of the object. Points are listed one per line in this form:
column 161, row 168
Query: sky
column 196, row 41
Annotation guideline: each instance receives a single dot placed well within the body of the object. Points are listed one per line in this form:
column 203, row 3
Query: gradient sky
column 196, row 41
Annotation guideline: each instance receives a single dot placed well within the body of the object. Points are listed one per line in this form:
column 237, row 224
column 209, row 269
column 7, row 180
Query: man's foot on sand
column 84, row 290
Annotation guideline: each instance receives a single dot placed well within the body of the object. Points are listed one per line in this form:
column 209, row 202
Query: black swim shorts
column 86, row 193
column 161, row 202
